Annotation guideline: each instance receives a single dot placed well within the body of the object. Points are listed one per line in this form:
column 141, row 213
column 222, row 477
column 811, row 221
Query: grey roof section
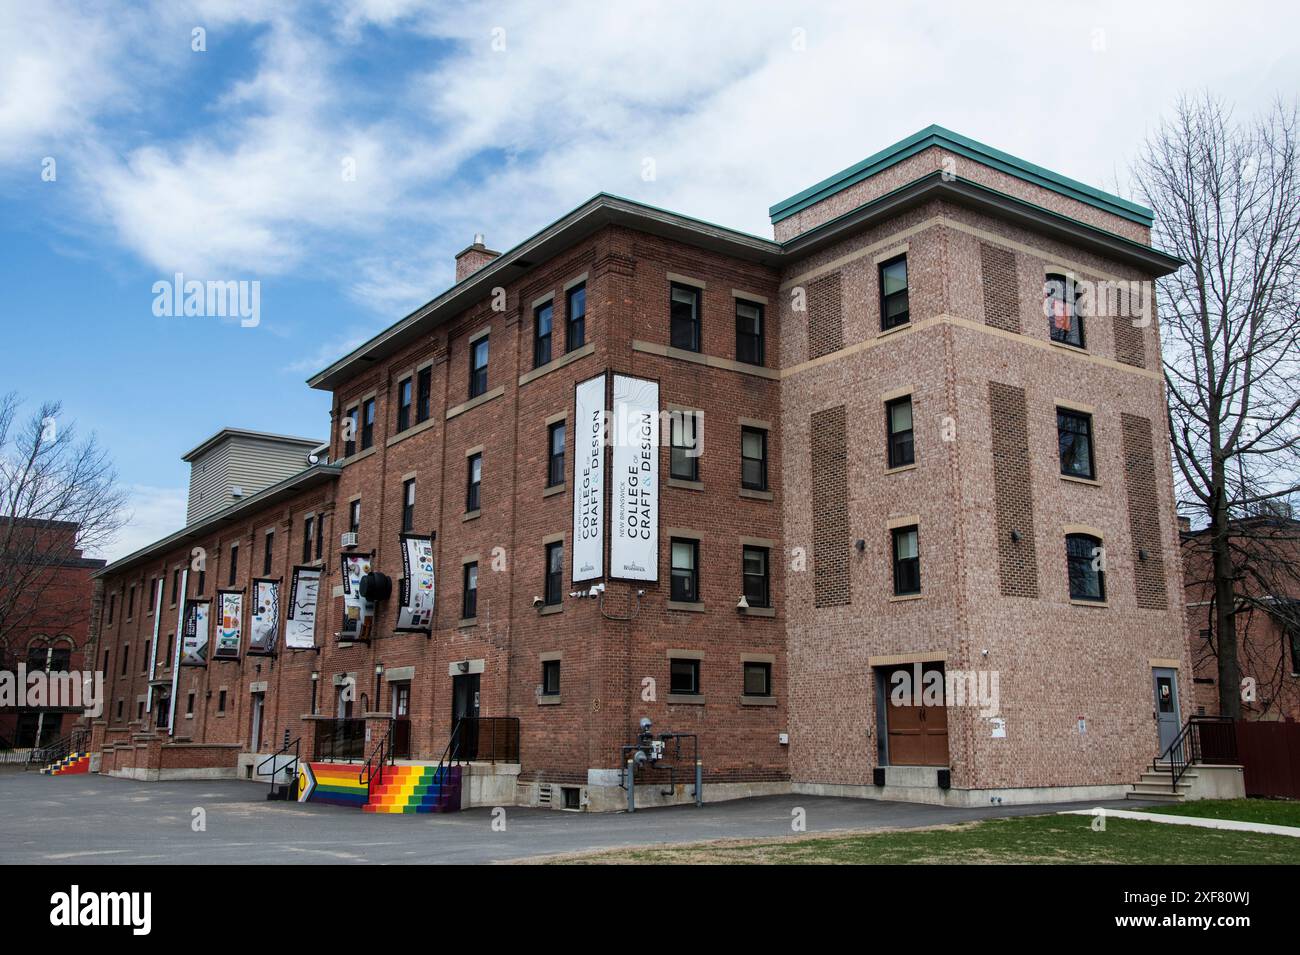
column 208, row 443
column 310, row 477
column 604, row 210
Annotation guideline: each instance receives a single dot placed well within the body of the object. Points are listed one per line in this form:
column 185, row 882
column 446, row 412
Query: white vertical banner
column 634, row 528
column 589, row 479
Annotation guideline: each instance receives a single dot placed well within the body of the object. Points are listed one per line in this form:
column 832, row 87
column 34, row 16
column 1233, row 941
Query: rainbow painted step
column 411, row 789
column 71, row 765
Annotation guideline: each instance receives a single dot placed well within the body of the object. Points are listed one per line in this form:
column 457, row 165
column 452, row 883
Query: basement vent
column 543, row 795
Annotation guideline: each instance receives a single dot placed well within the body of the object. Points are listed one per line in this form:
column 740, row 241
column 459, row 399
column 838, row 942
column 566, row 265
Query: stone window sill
column 759, row 611
column 554, row 700
column 754, row 495
column 899, row 598
column 467, row 622
column 555, row 489
column 1091, row 482
column 685, row 485
column 758, row 701
column 1089, row 603
column 690, row 699
column 549, row 609
column 470, row 515
column 901, row 468
column 475, row 402
column 686, row 607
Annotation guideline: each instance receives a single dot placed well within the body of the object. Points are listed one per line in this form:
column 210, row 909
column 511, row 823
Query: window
column 408, row 505
column 576, row 314
column 684, row 677
column 898, row 418
column 685, row 331
column 755, row 584
column 555, row 457
column 268, row 552
column 320, row 534
column 176, row 585
column 139, row 710
column 189, row 704
column 354, row 516
column 119, row 709
column 478, row 367
column 753, row 459
column 469, row 592
column 684, row 455
column 126, row 652
column 473, row 483
column 367, row 423
column 234, row 565
column 221, row 701
column 308, row 532
column 1074, row 441
column 554, row 573
column 685, row 571
column 907, row 561
column 130, row 601
column 112, row 607
column 893, row 292
column 550, row 678
column 423, row 388
column 1085, row 559
column 749, row 332
column 758, row 678
column 171, row 646
column 154, row 584
column 542, row 321
column 202, row 582
column 350, row 418
column 1061, row 305
column 104, row 668
column 403, row 404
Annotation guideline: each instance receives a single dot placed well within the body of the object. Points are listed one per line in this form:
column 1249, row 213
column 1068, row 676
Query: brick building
column 45, row 619
column 918, row 433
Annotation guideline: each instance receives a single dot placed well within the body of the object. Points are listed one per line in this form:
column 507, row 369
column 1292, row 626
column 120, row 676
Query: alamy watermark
column 76, row 689
column 190, row 298
column 950, row 687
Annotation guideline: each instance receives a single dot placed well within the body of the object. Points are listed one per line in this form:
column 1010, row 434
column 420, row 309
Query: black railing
column 1204, row 739
column 340, row 739
column 74, row 742
column 284, row 764
column 489, row 739
column 372, row 774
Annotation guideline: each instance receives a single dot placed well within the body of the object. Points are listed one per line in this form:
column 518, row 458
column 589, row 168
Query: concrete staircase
column 71, row 765
column 408, row 789
column 1154, row 785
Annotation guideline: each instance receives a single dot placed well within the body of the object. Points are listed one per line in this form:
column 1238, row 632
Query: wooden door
column 917, row 728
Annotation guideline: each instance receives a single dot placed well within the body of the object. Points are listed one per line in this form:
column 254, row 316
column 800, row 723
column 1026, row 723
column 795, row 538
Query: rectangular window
column 1061, row 305
column 104, row 668
column 753, row 459
column 268, row 553
column 685, row 571
column 354, row 516
column 408, row 506
column 234, row 565
column 221, row 701
column 403, row 404
column 758, row 678
column 542, row 322
column 555, row 454
column 176, row 585
column 112, row 606
column 478, row 367
column 683, row 454
column 755, row 585
column 554, row 573
column 320, row 534
column 898, row 418
column 171, row 645
column 154, row 584
column 473, row 483
column 202, row 582
column 575, row 311
column 550, row 678
column 907, row 561
column 1074, row 442
column 749, row 332
column 189, row 704
column 367, row 423
column 349, row 425
column 139, row 711
column 423, row 389
column 126, row 652
column 130, row 602
column 469, row 592
column 893, row 292
column 308, row 532
column 685, row 331
column 684, row 677
column 1084, row 558
column 119, row 709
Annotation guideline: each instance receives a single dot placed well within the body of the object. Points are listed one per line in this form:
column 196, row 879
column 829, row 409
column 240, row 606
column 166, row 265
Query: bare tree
column 48, row 476
column 1227, row 201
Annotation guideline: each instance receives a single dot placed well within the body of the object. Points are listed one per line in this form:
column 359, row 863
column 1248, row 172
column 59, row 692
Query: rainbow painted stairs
column 403, row 789
column 70, row 765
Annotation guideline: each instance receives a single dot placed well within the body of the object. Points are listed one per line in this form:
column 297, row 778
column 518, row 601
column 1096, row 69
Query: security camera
column 537, row 601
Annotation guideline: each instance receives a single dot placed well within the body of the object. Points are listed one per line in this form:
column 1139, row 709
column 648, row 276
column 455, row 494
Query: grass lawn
column 1027, row 839
column 1277, row 812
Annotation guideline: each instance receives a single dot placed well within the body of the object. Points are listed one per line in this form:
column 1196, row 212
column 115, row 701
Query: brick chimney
column 473, row 258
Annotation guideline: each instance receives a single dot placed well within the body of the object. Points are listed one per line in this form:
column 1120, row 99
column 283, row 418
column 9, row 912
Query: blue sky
column 228, row 163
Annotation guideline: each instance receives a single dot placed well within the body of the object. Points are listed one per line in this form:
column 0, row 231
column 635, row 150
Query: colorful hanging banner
column 589, row 479
column 356, row 611
column 264, row 620
column 634, row 526
column 230, row 624
column 300, row 618
column 194, row 638
column 415, row 598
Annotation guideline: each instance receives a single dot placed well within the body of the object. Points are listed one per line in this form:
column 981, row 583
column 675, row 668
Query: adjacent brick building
column 881, row 454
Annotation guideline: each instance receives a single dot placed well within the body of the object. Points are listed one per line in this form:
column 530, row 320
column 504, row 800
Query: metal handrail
column 282, row 751
column 53, row 752
column 373, row 771
column 1187, row 748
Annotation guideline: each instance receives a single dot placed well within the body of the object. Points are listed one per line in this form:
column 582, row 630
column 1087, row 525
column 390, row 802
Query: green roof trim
column 962, row 146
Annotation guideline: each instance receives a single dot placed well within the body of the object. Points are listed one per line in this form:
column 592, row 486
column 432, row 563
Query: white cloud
column 156, row 512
